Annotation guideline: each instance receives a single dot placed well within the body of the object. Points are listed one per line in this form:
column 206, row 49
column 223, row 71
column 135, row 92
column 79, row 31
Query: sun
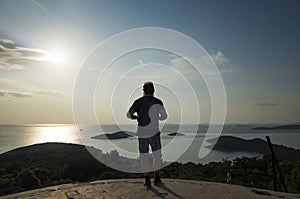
column 55, row 56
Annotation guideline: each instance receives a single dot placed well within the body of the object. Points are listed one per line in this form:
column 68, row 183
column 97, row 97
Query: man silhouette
column 148, row 110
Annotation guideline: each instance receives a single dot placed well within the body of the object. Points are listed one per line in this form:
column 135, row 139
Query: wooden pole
column 274, row 166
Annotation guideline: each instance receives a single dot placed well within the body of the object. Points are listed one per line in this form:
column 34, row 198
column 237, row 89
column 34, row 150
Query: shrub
column 27, row 179
column 108, row 175
column 295, row 180
column 82, row 168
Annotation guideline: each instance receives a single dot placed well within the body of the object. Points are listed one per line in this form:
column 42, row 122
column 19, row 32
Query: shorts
column 153, row 141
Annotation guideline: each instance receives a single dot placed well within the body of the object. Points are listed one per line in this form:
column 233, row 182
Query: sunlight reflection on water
column 56, row 134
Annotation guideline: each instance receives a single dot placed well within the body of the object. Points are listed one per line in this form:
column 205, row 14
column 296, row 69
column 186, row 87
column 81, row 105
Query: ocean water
column 180, row 148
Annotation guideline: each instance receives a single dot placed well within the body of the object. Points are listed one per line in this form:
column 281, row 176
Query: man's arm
column 130, row 114
column 162, row 113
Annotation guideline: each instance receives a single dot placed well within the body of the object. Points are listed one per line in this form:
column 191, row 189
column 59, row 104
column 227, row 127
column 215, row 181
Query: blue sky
column 255, row 44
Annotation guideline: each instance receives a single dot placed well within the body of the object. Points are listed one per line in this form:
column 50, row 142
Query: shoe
column 157, row 181
column 147, row 183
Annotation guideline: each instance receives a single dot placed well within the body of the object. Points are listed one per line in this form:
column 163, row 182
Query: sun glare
column 55, row 56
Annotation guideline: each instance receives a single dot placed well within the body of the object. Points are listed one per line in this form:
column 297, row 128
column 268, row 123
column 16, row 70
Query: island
column 288, row 127
column 115, row 136
column 256, row 145
column 263, row 128
column 175, row 134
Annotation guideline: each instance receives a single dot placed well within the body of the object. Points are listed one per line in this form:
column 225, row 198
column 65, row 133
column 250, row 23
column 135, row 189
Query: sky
column 255, row 44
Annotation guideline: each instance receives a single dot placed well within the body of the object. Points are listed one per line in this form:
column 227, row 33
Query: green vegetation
column 56, row 163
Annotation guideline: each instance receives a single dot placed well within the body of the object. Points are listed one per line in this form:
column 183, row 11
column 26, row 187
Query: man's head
column 148, row 88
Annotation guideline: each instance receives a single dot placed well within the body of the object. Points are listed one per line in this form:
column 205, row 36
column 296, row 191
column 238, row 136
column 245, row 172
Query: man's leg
column 145, row 168
column 157, row 163
column 144, row 157
column 155, row 143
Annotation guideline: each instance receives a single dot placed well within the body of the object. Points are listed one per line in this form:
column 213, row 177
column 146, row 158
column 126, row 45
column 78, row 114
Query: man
column 148, row 110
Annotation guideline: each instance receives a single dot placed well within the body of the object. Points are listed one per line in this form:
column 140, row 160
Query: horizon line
column 69, row 124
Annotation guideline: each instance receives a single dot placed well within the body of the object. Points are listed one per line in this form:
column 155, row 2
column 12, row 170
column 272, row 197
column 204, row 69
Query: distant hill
column 231, row 144
column 58, row 155
column 282, row 127
column 46, row 164
column 45, row 154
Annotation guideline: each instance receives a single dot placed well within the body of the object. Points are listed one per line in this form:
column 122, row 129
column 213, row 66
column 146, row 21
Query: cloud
column 7, row 41
column 9, row 94
column 43, row 8
column 184, row 67
column 266, row 104
column 219, row 58
column 140, row 62
column 15, row 94
column 13, row 89
column 6, row 81
column 216, row 57
column 15, row 86
column 12, row 54
column 12, row 84
column 206, row 64
column 50, row 92
column 222, row 62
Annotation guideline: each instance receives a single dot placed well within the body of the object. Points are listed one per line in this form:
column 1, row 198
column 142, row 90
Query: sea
column 182, row 148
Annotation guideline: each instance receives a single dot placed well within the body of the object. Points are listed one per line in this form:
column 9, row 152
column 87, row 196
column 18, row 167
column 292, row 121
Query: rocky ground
column 133, row 188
